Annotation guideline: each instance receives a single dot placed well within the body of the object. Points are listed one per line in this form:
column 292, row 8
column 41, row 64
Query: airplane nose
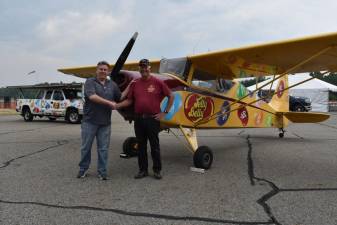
column 120, row 79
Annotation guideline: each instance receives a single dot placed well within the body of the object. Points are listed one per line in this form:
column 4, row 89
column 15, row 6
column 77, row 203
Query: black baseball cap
column 144, row 62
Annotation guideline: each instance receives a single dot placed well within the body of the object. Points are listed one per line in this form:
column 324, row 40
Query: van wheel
column 299, row 108
column 73, row 116
column 27, row 115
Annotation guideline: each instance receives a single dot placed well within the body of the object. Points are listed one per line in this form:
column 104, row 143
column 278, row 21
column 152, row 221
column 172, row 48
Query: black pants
column 148, row 129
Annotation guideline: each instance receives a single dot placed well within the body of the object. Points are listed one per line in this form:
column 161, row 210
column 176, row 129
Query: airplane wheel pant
column 148, row 129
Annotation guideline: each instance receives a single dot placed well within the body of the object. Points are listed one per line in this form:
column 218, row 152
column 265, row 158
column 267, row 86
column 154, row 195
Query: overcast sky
column 42, row 36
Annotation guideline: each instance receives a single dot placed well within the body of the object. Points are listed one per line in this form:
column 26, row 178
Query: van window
column 48, row 94
column 58, row 95
column 40, row 94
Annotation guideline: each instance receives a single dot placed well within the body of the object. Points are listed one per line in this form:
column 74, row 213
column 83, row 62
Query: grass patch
column 8, row 112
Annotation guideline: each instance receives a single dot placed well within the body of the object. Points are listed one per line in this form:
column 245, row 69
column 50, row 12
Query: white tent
column 315, row 89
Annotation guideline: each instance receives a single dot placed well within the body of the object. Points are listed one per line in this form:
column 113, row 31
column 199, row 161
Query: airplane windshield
column 177, row 66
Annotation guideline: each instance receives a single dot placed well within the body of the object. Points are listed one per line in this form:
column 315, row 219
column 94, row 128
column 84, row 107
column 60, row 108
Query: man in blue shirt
column 100, row 97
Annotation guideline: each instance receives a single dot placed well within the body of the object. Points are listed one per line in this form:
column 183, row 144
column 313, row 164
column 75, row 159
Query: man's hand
column 160, row 116
column 113, row 104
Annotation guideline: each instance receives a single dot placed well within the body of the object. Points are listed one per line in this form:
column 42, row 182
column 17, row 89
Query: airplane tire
column 203, row 157
column 27, row 115
column 281, row 135
column 130, row 146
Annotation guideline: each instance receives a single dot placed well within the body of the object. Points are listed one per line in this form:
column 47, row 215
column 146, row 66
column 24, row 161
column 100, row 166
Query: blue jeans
column 88, row 133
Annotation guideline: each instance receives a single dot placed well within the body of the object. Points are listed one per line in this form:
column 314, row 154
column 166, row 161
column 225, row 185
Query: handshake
column 113, row 105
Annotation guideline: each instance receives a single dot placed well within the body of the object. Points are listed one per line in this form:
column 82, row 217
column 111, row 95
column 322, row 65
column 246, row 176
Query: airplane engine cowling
column 123, row 78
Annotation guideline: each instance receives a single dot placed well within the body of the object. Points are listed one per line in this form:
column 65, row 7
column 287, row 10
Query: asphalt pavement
column 256, row 177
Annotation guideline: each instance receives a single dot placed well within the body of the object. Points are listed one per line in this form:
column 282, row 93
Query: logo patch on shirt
column 151, row 88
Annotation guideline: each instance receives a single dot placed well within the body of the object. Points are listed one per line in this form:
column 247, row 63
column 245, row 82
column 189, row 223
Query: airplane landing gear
column 130, row 146
column 281, row 134
column 203, row 157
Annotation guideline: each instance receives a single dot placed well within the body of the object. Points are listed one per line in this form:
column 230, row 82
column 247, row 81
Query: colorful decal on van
column 48, row 106
column 56, row 105
column 43, row 104
column 197, row 107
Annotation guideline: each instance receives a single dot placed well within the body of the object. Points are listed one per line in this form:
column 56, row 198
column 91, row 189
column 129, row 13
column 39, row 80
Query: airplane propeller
column 123, row 56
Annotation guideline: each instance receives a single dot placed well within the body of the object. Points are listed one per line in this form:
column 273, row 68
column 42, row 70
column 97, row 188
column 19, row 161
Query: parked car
column 53, row 103
column 299, row 104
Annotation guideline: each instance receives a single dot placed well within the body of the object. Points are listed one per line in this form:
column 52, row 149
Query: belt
column 145, row 116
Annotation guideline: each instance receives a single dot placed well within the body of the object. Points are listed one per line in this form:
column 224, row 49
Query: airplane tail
column 306, row 117
column 280, row 100
column 280, row 103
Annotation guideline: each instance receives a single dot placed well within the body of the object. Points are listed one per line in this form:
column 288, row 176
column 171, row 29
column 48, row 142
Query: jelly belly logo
column 198, row 107
column 280, row 89
column 243, row 116
column 224, row 113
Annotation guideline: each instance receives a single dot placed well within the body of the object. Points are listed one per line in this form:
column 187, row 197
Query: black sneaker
column 157, row 175
column 82, row 174
column 102, row 177
column 141, row 174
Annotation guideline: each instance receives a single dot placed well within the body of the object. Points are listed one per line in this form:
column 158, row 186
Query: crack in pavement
column 38, row 142
column 274, row 188
column 322, row 124
column 137, row 214
column 59, row 143
column 297, row 135
column 19, row 131
column 252, row 177
column 119, row 211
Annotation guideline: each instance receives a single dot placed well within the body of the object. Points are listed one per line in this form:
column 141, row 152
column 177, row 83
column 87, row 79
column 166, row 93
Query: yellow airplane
column 208, row 96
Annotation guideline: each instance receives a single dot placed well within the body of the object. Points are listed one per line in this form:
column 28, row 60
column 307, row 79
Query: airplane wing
column 271, row 58
column 90, row 71
column 257, row 60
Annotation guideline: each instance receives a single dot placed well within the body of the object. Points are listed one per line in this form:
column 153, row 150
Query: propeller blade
column 122, row 58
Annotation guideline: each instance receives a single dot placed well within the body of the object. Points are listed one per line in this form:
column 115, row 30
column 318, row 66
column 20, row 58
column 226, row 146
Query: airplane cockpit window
column 178, row 66
column 218, row 85
column 209, row 84
column 224, row 85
